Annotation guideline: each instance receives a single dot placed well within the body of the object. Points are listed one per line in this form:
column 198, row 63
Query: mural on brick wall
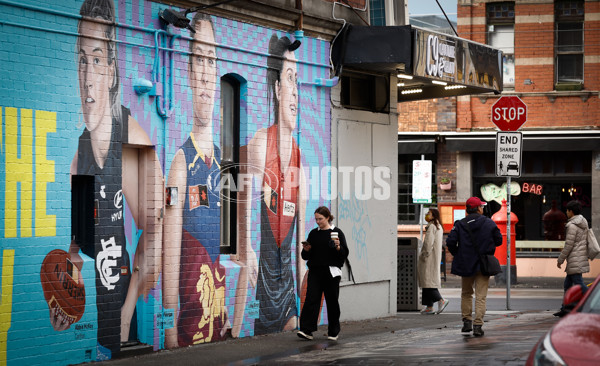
column 85, row 265
column 275, row 155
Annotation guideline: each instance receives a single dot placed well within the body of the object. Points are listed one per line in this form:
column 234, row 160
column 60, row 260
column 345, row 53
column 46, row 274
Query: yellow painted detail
column 18, row 170
column 45, row 122
column 8, row 262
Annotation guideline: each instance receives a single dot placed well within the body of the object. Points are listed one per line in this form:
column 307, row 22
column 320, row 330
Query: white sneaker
column 442, row 305
column 307, row 336
column 428, row 311
column 332, row 338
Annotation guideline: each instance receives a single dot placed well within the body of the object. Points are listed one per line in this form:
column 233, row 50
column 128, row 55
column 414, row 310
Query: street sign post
column 509, row 150
column 509, row 113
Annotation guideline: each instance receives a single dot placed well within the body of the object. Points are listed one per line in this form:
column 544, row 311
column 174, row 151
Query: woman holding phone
column 325, row 251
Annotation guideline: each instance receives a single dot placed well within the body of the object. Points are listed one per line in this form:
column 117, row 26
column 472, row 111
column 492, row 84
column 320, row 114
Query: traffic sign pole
column 508, row 243
column 509, row 113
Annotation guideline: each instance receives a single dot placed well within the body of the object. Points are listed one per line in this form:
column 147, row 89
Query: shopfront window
column 549, row 180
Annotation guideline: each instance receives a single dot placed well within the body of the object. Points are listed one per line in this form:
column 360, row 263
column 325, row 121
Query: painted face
column 321, row 221
column 96, row 74
column 287, row 91
column 203, row 72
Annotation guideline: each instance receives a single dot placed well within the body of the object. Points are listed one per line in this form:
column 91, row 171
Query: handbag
column 488, row 263
column 593, row 249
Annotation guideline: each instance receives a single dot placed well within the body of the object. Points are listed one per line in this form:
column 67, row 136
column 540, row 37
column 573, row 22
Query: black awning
column 429, row 64
column 483, row 143
column 373, row 48
column 414, row 146
column 530, row 143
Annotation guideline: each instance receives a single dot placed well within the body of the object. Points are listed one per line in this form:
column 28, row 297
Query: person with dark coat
column 460, row 243
column 325, row 251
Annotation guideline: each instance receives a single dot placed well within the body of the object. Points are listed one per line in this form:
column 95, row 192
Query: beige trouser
column 481, row 283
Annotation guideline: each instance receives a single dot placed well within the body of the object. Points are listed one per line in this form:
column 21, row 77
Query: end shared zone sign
column 509, row 147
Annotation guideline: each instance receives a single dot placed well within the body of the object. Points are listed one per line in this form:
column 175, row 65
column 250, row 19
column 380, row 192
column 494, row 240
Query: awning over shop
column 486, row 141
column 416, row 146
column 428, row 64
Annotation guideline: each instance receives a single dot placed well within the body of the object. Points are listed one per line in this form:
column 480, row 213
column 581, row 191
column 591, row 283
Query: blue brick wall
column 39, row 73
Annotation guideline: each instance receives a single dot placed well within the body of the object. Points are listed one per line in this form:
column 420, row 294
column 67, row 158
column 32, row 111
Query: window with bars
column 569, row 17
column 408, row 212
column 500, row 18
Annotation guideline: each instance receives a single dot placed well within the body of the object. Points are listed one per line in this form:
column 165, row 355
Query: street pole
column 421, row 213
column 508, row 243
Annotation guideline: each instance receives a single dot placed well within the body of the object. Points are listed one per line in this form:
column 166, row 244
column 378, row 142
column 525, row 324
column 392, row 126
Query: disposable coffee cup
column 334, row 235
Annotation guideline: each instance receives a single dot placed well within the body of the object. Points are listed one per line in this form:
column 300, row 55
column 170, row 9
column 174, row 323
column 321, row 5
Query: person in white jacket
column 429, row 264
column 575, row 249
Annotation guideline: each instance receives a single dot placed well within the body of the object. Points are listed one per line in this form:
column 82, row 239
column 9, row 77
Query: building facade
column 161, row 164
column 551, row 62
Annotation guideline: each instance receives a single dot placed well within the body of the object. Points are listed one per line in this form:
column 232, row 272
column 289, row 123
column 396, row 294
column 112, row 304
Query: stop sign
column 509, row 113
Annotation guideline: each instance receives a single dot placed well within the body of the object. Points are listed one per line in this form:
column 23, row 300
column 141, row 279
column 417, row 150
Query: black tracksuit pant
column 320, row 281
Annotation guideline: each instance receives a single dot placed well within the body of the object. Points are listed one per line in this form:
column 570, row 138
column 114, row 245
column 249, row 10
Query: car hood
column 576, row 338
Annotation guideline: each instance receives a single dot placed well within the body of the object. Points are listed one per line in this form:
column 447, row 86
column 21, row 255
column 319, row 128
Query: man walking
column 575, row 250
column 470, row 236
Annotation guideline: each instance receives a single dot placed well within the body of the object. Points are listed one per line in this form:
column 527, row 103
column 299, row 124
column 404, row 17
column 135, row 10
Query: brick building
column 551, row 61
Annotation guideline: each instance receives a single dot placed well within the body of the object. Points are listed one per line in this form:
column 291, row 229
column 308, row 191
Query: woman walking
column 326, row 251
column 429, row 264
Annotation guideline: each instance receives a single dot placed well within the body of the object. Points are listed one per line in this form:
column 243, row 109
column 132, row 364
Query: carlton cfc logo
column 118, row 199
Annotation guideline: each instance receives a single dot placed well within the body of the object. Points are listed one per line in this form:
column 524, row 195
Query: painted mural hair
column 104, row 10
column 277, row 48
column 198, row 17
column 324, row 211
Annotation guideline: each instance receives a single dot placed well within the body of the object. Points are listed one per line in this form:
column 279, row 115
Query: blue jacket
column 466, row 259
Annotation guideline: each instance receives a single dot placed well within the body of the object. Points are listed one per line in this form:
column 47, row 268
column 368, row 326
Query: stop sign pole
column 509, row 113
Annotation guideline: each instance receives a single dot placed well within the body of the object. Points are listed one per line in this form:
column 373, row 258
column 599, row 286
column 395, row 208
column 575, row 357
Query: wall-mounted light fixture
column 142, row 86
column 404, row 76
column 439, row 82
column 179, row 19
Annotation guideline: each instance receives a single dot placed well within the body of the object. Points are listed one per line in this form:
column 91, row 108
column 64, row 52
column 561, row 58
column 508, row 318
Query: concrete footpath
column 396, row 339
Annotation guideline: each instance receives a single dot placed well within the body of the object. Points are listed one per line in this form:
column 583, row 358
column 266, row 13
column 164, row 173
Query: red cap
column 474, row 202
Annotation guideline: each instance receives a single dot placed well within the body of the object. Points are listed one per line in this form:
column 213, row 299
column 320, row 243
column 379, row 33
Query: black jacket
column 466, row 259
column 323, row 252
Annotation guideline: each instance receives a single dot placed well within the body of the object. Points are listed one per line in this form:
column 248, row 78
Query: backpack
column 592, row 244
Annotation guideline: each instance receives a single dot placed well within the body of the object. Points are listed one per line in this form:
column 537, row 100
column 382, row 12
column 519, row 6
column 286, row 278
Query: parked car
column 575, row 339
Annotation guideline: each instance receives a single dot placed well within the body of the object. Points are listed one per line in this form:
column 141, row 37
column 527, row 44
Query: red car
column 575, row 339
